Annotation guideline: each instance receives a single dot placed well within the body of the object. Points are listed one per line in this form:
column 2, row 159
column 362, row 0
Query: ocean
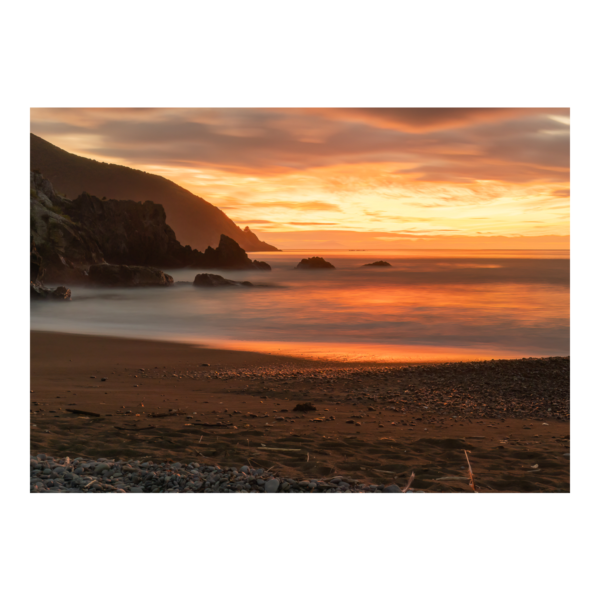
column 431, row 305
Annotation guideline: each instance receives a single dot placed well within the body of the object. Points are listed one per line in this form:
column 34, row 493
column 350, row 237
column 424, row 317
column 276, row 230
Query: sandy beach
column 374, row 423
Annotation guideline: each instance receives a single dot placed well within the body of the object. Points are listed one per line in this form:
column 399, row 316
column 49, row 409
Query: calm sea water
column 431, row 305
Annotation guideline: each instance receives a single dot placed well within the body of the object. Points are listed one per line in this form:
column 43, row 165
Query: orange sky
column 349, row 177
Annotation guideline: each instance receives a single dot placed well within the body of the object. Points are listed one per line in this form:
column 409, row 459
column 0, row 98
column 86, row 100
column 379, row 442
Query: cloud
column 451, row 145
column 316, row 205
column 253, row 221
column 367, row 168
column 320, row 224
column 433, row 119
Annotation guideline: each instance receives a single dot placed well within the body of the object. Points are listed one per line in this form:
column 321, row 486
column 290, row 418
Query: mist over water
column 430, row 305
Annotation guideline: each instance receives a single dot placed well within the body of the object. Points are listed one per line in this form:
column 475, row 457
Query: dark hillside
column 195, row 222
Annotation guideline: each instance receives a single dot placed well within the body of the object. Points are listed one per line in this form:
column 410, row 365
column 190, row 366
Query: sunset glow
column 349, row 177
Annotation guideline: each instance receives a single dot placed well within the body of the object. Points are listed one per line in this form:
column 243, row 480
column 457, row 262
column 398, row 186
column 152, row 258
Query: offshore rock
column 379, row 263
column 210, row 280
column 316, row 262
column 39, row 292
column 128, row 276
column 229, row 255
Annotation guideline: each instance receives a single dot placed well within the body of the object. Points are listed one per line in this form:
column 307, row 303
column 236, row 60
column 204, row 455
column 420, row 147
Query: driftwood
column 281, row 449
column 82, row 412
column 168, row 414
column 134, row 428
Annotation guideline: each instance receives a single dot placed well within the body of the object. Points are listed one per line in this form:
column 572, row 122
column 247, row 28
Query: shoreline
column 375, row 423
column 443, row 355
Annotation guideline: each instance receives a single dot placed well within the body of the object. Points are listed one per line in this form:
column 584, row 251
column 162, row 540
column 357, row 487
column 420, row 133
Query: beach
column 374, row 424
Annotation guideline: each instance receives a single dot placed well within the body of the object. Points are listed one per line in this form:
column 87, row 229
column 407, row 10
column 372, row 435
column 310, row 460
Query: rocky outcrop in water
column 379, row 263
column 316, row 262
column 228, row 255
column 127, row 276
column 40, row 292
column 210, row 280
column 72, row 235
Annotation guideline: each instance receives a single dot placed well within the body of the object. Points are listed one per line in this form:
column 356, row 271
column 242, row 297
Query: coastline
column 375, row 422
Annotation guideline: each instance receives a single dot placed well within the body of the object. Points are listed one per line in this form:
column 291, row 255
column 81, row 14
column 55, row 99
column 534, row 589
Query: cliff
column 71, row 235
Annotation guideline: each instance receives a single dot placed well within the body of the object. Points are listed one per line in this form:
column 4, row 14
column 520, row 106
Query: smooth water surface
column 431, row 305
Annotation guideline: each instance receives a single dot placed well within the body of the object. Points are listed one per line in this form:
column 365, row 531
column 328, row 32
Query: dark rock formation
column 195, row 221
column 127, row 276
column 228, row 255
column 210, row 280
column 71, row 235
column 126, row 232
column 62, row 245
column 261, row 265
column 39, row 292
column 316, row 262
column 36, row 272
column 379, row 263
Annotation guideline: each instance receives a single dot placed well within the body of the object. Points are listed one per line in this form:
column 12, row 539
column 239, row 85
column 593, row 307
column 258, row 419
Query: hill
column 195, row 221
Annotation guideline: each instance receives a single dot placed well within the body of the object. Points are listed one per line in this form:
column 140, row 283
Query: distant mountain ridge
column 195, row 221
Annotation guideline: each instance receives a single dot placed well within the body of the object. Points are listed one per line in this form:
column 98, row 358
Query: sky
column 349, row 177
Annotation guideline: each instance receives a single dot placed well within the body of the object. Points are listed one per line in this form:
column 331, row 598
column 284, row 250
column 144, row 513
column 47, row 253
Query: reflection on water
column 431, row 305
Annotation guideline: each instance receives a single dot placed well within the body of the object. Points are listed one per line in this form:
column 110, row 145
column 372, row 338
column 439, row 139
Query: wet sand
column 376, row 423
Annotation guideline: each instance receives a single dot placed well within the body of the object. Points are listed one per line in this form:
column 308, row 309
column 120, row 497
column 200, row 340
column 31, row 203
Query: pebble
column 58, row 475
column 392, row 489
column 272, row 486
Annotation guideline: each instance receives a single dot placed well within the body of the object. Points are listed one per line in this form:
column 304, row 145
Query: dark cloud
column 443, row 145
column 433, row 119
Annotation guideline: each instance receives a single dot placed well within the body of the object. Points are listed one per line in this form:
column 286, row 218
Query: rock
column 261, row 265
column 210, row 280
column 316, row 262
column 379, row 263
column 101, row 467
column 126, row 276
column 137, row 490
column 229, row 255
column 392, row 489
column 40, row 292
column 272, row 486
column 304, row 407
